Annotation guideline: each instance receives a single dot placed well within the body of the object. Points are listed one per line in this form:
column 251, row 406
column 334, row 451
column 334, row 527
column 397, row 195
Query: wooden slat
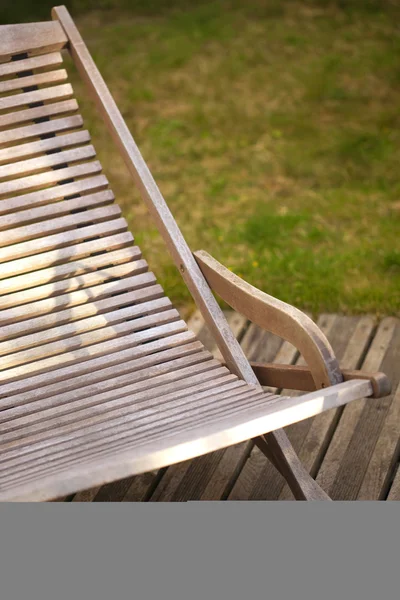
column 117, row 341
column 213, row 426
column 33, row 148
column 31, row 131
column 185, row 481
column 167, row 226
column 42, row 95
column 172, row 341
column 51, row 243
column 56, row 272
column 28, row 64
column 118, row 432
column 151, row 413
column 38, row 112
column 129, row 281
column 30, row 200
column 33, row 182
column 54, row 210
column 55, row 326
column 38, row 164
column 132, row 370
column 19, row 83
column 60, row 294
column 87, row 332
column 49, row 324
column 31, row 38
column 152, row 391
column 345, row 463
column 51, row 228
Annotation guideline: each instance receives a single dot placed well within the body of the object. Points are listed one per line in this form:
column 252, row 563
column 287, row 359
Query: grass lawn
column 273, row 131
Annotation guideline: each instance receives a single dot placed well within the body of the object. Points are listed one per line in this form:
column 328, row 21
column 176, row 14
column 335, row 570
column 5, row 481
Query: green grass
column 273, row 130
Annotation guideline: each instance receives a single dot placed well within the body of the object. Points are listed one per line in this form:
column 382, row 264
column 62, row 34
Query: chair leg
column 278, row 449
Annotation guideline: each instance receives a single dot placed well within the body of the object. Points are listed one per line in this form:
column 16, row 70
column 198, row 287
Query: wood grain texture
column 28, row 64
column 57, row 192
column 30, row 38
column 42, row 95
column 346, row 462
column 259, row 480
column 275, row 316
column 188, row 480
column 394, row 494
column 155, row 202
column 31, row 149
column 19, row 83
column 38, row 112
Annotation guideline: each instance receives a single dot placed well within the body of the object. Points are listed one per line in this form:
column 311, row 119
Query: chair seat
column 85, row 430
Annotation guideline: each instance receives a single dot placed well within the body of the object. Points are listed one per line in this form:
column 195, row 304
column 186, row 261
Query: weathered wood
column 125, row 451
column 33, row 148
column 80, row 187
column 55, row 248
column 60, row 293
column 30, row 38
column 34, row 182
column 19, row 83
column 116, row 342
column 38, row 129
column 173, row 339
column 45, row 234
column 109, row 383
column 91, row 331
column 346, row 461
column 259, row 480
column 275, row 316
column 53, row 308
column 158, row 208
column 80, row 319
column 187, row 481
column 299, row 377
column 56, row 272
column 394, row 494
column 39, row 163
column 380, row 468
column 28, row 64
column 313, row 438
column 38, row 112
column 42, row 95
column 292, row 325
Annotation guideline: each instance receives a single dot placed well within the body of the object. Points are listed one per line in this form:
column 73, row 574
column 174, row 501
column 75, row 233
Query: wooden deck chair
column 100, row 378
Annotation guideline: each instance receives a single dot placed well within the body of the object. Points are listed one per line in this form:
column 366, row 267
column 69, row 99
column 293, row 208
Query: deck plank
column 355, row 442
column 350, row 353
column 259, row 480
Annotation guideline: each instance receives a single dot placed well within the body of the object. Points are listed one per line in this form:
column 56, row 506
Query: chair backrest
column 38, row 166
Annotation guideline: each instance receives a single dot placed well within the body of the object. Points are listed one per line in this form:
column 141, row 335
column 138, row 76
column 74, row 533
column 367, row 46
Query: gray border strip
column 200, row 550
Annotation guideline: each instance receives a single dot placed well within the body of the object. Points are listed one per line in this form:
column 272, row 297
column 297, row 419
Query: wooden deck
column 353, row 451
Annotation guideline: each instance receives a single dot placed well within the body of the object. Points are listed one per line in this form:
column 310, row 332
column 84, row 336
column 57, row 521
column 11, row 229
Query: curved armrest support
column 275, row 316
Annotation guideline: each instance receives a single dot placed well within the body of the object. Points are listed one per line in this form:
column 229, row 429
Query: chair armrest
column 274, row 316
